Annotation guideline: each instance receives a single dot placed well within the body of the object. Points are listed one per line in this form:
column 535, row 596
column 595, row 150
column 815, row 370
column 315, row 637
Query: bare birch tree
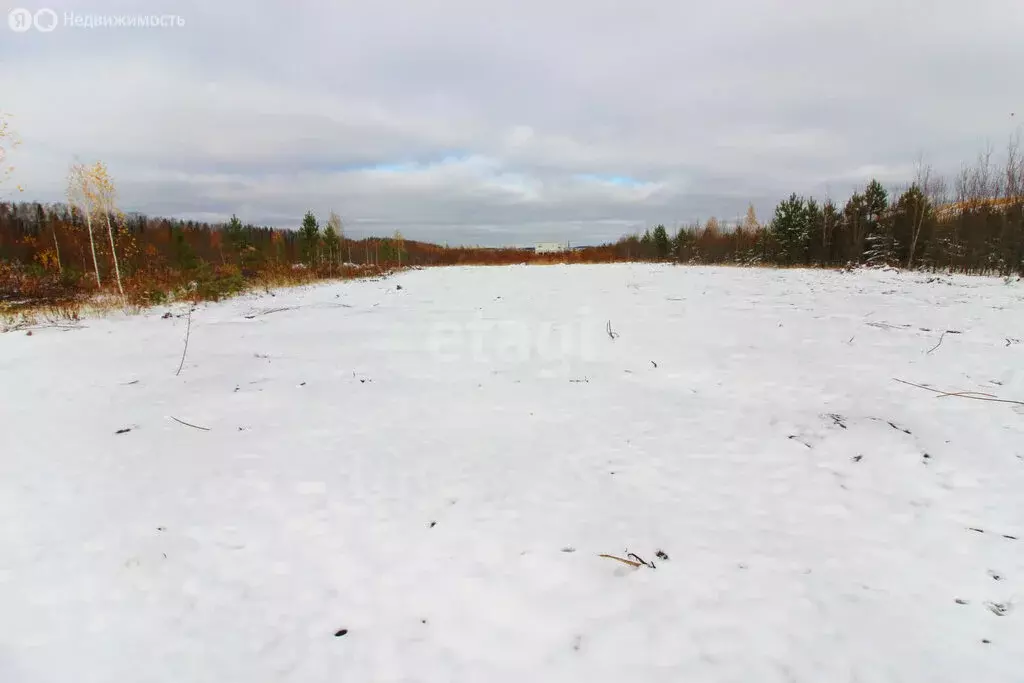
column 104, row 199
column 80, row 195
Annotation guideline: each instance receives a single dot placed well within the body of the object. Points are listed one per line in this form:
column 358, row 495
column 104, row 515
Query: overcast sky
column 481, row 122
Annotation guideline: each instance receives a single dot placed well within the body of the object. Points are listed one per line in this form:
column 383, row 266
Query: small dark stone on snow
column 423, row 621
column 161, row 528
column 986, row 641
column 858, row 458
column 661, row 555
column 568, row 549
column 398, row 286
column 432, row 525
column 302, row 384
column 340, row 632
column 961, row 602
column 123, row 431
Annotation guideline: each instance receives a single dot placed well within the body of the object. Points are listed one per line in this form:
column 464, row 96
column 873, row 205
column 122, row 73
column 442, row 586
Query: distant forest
column 973, row 223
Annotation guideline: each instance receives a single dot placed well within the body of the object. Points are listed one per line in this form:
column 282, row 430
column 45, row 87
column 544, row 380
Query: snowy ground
column 437, row 469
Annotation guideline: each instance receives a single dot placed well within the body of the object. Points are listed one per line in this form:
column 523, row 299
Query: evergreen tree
column 880, row 242
column 647, row 244
column 913, row 213
column 234, row 235
column 855, row 225
column 332, row 244
column 791, row 230
column 682, row 244
column 661, row 242
column 310, row 238
column 827, row 233
column 876, row 201
column 814, row 219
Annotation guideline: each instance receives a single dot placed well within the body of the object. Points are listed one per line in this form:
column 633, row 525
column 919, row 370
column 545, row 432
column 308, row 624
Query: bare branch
column 189, row 424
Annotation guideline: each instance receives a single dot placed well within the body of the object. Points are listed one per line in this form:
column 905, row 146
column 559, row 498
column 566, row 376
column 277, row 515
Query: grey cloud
column 491, row 116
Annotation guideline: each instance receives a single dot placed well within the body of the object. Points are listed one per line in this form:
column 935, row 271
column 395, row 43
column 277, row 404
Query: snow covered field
column 436, row 469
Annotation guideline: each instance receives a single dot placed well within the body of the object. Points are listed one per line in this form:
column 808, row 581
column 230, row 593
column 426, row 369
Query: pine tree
column 830, row 223
column 332, row 244
column 661, row 242
column 233, row 234
column 646, row 244
column 876, row 201
column 855, row 224
column 310, row 236
column 881, row 246
column 791, row 231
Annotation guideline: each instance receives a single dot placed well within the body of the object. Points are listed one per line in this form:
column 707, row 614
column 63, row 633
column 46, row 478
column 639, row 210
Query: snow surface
column 437, row 469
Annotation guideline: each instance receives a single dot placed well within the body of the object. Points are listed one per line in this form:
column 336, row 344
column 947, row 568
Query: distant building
column 550, row 247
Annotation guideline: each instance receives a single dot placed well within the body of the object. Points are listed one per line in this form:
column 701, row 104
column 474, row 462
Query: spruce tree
column 791, row 231
column 661, row 242
column 310, row 236
column 332, row 244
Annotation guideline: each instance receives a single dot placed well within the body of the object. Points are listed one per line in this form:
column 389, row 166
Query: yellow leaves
column 48, row 259
column 8, row 140
column 92, row 191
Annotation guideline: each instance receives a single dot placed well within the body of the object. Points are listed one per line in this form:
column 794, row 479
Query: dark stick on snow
column 974, row 395
column 640, row 560
column 941, row 336
column 189, row 424
column 188, row 330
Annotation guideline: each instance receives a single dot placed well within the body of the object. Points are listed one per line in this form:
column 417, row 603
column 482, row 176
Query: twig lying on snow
column 976, row 395
column 966, row 393
column 189, row 424
column 641, row 560
column 631, row 563
column 608, row 329
column 188, row 331
column 941, row 337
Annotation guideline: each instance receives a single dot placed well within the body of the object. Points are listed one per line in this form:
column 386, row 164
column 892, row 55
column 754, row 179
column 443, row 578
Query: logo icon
column 20, row 19
column 45, row 20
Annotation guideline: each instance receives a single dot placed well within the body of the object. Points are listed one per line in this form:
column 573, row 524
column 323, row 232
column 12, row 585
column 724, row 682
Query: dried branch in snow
column 188, row 331
column 976, row 395
column 941, row 337
column 631, row 563
column 189, row 424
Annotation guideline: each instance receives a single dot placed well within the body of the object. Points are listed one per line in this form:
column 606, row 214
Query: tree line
column 974, row 224
column 62, row 251
column 88, row 245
